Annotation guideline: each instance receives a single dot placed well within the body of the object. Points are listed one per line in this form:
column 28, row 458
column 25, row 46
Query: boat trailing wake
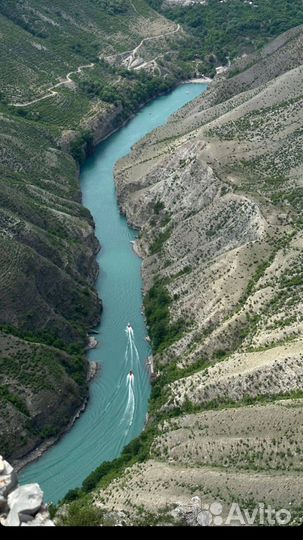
column 132, row 363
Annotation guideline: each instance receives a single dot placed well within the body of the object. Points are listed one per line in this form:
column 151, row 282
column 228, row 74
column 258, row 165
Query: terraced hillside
column 58, row 96
column 46, row 41
column 217, row 196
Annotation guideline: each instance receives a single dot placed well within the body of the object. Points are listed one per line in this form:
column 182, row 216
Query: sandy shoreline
column 202, row 80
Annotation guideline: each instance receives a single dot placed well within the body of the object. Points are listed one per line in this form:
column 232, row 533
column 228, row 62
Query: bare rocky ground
column 221, row 185
column 250, row 453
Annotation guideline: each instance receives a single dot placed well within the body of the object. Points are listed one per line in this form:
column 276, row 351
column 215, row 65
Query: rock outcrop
column 20, row 505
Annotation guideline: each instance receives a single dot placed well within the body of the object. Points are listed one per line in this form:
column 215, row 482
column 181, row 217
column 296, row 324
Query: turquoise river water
column 117, row 408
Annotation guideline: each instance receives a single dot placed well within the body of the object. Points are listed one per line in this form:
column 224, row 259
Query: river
column 117, row 408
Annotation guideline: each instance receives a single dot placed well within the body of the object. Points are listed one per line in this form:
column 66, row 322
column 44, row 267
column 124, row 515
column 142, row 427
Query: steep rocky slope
column 217, row 197
column 47, row 273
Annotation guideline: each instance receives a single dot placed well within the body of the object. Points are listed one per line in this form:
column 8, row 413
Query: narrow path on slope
column 134, row 7
column 51, row 91
column 129, row 60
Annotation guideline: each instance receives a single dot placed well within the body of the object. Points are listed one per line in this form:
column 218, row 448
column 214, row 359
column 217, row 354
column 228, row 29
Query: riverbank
column 38, row 452
column 201, row 80
column 112, row 115
column 93, row 369
column 136, row 249
column 42, row 448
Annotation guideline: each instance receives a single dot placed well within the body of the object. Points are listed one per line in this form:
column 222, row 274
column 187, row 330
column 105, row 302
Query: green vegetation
column 156, row 246
column 83, row 513
column 141, row 448
column 217, row 404
column 222, row 30
column 44, row 43
column 286, row 287
column 158, row 206
column 162, row 331
column 82, row 146
column 33, row 371
column 46, row 274
column 5, row 394
column 135, row 452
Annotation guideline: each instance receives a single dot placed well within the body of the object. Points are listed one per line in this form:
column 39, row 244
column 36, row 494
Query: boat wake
column 132, row 362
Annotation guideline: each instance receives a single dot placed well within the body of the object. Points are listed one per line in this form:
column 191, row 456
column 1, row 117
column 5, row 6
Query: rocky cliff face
column 20, row 505
column 221, row 185
column 217, row 197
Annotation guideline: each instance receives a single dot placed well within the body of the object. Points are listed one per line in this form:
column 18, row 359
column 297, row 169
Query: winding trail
column 51, row 91
column 134, row 7
column 129, row 60
column 150, row 63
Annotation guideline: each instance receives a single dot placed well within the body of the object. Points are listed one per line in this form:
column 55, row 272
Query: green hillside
column 221, row 30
